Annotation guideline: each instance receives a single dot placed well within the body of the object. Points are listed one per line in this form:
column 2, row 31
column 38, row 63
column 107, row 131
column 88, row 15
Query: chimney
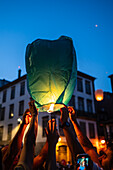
column 19, row 73
column 111, row 77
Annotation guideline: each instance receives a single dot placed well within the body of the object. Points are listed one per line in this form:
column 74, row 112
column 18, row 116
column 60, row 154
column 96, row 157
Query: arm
column 52, row 137
column 27, row 154
column 39, row 160
column 70, row 135
column 16, row 143
column 84, row 141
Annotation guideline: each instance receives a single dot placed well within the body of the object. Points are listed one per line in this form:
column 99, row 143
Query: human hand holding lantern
column 64, row 115
column 72, row 114
column 32, row 108
column 26, row 117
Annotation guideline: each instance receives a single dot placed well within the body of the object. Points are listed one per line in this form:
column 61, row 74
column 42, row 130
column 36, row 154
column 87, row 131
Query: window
column 4, row 96
column 21, row 107
column 80, row 103
column 88, row 87
column 44, row 124
column 79, row 85
column 72, row 101
column 2, row 114
column 89, row 106
column 11, row 111
column 91, row 130
column 22, row 88
column 83, row 127
column 1, row 133
column 10, row 126
column 101, row 131
column 111, row 131
column 60, row 129
column 12, row 92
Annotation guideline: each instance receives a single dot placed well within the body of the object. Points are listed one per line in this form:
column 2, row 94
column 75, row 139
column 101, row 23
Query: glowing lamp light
column 19, row 120
column 59, row 140
column 99, row 95
column 102, row 141
column 51, row 72
column 12, row 114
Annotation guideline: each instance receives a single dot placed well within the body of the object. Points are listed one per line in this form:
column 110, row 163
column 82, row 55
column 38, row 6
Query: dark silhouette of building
column 104, row 111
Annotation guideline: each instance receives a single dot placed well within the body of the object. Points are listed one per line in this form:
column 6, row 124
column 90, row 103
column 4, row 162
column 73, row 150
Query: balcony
column 86, row 115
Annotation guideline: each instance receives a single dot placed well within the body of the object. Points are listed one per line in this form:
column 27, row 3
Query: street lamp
column 102, row 141
column 19, row 120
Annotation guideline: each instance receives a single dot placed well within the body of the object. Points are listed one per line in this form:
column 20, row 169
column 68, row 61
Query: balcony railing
column 84, row 114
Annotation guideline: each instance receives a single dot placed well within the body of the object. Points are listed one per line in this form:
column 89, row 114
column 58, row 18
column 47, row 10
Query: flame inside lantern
column 51, row 108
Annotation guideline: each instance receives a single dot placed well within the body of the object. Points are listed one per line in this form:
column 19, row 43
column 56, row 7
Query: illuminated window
column 79, row 85
column 1, row 133
column 91, row 130
column 12, row 92
column 4, row 96
column 45, row 120
column 88, row 87
column 10, row 126
column 11, row 111
column 2, row 115
column 22, row 88
column 89, row 106
column 80, row 103
column 21, row 107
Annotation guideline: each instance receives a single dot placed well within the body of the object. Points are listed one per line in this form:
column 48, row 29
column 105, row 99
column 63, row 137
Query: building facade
column 14, row 99
column 84, row 104
column 104, row 109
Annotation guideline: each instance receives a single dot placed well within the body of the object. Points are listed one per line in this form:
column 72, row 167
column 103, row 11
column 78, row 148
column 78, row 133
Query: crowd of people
column 16, row 156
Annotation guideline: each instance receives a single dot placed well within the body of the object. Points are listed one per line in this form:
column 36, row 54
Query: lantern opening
column 50, row 107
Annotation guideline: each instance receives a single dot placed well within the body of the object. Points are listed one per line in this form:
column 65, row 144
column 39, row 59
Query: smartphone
column 82, row 161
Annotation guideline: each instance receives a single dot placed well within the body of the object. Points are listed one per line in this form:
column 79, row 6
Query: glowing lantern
column 99, row 95
column 51, row 72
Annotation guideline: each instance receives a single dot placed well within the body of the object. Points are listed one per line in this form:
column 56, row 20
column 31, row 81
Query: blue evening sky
column 88, row 22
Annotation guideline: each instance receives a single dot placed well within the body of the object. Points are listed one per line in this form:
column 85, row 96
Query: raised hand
column 72, row 114
column 52, row 133
column 64, row 115
column 26, row 117
column 32, row 108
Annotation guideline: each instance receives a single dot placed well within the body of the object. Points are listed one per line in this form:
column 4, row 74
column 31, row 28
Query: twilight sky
column 88, row 22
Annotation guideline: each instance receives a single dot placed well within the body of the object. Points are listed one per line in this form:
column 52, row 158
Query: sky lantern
column 99, row 95
column 51, row 72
